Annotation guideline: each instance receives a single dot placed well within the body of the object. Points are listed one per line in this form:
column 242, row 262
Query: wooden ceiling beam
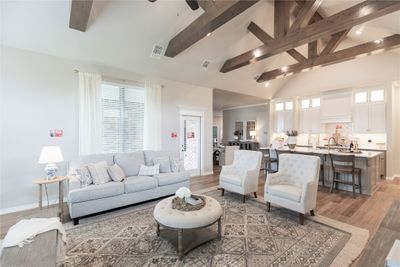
column 377, row 46
column 281, row 18
column 265, row 37
column 334, row 42
column 216, row 14
column 341, row 21
column 305, row 14
column 79, row 16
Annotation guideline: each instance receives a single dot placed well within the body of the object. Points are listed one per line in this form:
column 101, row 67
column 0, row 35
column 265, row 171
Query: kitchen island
column 367, row 161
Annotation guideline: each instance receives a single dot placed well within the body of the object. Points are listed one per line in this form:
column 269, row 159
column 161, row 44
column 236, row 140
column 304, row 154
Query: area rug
column 250, row 237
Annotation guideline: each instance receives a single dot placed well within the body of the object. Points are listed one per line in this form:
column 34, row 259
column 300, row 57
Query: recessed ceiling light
column 358, row 32
column 208, row 34
column 379, row 41
column 285, row 68
column 266, row 84
column 256, row 53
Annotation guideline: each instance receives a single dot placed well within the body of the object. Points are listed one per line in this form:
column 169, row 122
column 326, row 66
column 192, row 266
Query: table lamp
column 50, row 155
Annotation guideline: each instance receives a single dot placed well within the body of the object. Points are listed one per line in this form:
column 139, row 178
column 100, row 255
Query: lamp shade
column 252, row 133
column 50, row 154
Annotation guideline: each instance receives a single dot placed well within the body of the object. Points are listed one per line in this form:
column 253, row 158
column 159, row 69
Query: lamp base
column 51, row 171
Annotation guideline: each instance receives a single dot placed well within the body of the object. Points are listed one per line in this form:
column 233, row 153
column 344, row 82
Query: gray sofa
column 91, row 199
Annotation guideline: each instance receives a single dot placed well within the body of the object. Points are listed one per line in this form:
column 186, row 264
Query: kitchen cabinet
column 310, row 121
column 369, row 117
column 283, row 121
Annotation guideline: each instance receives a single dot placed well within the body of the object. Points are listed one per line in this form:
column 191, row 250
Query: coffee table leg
column 219, row 229
column 158, row 229
column 180, row 249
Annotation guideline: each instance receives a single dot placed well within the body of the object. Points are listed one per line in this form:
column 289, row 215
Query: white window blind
column 123, row 118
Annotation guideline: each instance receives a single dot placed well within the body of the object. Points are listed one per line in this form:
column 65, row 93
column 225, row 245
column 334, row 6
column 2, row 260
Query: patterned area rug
column 250, row 237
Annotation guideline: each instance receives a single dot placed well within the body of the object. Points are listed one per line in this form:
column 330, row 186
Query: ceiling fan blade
column 152, row 1
column 192, row 4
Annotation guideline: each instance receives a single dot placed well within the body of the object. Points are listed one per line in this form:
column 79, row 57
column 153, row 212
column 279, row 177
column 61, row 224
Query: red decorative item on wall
column 174, row 135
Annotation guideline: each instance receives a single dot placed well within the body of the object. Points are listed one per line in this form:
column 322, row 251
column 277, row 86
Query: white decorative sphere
column 183, row 192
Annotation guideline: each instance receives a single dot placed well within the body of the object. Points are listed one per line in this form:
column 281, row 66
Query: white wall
column 39, row 93
column 218, row 121
column 176, row 95
column 393, row 131
column 258, row 113
column 365, row 71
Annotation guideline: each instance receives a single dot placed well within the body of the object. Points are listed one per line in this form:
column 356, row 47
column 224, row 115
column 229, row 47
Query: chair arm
column 73, row 182
column 227, row 169
column 251, row 178
column 309, row 194
column 274, row 178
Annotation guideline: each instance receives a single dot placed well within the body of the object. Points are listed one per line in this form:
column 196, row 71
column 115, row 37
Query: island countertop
column 363, row 154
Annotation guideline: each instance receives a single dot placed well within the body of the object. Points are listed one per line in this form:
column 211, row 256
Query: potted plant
column 292, row 138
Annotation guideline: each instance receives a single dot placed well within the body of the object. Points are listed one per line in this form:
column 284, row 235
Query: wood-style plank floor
column 364, row 211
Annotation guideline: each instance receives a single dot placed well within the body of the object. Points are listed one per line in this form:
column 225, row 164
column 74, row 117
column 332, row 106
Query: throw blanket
column 24, row 231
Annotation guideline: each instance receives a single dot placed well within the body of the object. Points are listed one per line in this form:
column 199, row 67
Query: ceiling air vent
column 157, row 51
column 205, row 64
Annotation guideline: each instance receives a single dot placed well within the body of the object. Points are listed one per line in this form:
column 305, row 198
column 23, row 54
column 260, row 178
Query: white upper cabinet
column 309, row 115
column 283, row 116
column 369, row 112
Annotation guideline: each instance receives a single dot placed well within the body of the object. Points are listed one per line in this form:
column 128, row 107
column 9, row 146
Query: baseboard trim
column 29, row 206
column 392, row 177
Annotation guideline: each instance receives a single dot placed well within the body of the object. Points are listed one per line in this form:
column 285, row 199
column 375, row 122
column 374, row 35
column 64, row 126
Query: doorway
column 191, row 143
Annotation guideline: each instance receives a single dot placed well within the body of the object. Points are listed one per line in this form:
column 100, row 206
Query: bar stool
column 345, row 164
column 269, row 159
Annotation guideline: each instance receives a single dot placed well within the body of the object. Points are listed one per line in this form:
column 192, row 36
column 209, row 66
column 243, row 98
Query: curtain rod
column 112, row 79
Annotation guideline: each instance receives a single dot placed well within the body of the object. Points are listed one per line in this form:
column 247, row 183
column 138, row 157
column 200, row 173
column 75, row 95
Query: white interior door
column 191, row 143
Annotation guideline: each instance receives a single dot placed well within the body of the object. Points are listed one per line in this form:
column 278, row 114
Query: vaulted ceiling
column 121, row 34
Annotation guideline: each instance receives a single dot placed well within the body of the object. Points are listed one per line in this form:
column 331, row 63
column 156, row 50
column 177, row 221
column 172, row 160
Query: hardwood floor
column 364, row 211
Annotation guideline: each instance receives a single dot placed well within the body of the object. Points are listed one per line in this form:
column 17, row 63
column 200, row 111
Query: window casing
column 123, row 118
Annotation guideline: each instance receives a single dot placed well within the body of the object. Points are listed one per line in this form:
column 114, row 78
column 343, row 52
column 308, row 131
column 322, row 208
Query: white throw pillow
column 116, row 173
column 165, row 165
column 84, row 176
column 149, row 170
column 99, row 172
column 176, row 164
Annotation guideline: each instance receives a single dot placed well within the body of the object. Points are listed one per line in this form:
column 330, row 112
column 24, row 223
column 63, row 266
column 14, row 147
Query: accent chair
column 295, row 185
column 242, row 176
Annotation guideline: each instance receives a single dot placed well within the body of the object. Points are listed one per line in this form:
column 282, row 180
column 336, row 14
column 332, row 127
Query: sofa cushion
column 285, row 191
column 149, row 170
column 172, row 178
column 93, row 192
column 139, row 183
column 99, row 172
column 232, row 179
column 165, row 164
column 117, row 174
column 150, row 155
column 130, row 162
column 83, row 161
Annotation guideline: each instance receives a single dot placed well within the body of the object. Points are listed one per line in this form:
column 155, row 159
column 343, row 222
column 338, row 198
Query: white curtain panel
column 90, row 113
column 152, row 117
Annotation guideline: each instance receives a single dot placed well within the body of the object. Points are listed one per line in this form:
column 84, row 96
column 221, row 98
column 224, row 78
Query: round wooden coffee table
column 187, row 230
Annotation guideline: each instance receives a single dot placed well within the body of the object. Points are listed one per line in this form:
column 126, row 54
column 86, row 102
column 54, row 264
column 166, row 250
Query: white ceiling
column 223, row 99
column 121, row 34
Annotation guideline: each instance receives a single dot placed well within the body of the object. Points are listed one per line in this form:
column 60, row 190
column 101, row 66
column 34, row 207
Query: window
column 289, row 105
column 377, row 95
column 316, row 102
column 250, row 126
column 361, row 97
column 305, row 103
column 123, row 118
column 279, row 106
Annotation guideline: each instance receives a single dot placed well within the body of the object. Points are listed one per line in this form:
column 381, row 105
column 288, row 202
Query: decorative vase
column 292, row 141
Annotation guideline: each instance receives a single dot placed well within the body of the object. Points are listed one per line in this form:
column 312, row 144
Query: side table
column 60, row 180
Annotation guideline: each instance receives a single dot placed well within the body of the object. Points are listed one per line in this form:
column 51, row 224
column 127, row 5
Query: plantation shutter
column 123, row 118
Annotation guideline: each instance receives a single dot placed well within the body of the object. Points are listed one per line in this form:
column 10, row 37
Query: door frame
column 192, row 111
